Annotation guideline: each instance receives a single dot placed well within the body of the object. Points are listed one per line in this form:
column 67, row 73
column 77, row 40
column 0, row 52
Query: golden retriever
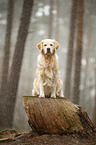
column 47, row 82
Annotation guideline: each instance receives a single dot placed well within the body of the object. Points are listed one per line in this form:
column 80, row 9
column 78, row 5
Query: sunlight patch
column 3, row 22
column 43, row 11
column 92, row 60
column 54, row 12
column 40, row 4
column 41, row 32
column 46, row 10
column 39, row 13
column 84, row 61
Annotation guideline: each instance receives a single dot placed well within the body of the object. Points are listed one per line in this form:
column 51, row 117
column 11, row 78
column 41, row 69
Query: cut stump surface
column 56, row 116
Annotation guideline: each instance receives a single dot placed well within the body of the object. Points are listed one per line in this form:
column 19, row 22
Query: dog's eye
column 51, row 44
column 45, row 44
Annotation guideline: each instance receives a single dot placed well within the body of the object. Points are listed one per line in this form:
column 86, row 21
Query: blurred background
column 24, row 23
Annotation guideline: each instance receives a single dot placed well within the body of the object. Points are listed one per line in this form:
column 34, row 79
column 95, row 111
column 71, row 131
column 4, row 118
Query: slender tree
column 50, row 19
column 6, row 55
column 67, row 90
column 94, row 115
column 79, row 37
column 94, row 52
column 57, row 20
column 17, row 61
column 87, row 51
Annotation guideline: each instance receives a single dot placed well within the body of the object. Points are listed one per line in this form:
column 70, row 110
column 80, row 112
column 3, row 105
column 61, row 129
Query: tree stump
column 57, row 116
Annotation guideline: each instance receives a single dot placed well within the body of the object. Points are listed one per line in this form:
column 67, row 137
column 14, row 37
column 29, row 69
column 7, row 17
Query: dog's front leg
column 41, row 91
column 53, row 94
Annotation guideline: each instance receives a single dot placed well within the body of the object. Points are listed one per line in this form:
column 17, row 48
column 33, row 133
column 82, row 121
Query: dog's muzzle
column 48, row 50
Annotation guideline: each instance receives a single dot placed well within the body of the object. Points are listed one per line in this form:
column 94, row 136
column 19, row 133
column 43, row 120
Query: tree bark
column 67, row 90
column 57, row 116
column 79, row 36
column 6, row 55
column 17, row 62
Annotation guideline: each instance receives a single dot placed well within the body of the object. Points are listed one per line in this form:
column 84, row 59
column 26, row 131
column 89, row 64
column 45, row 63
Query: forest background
column 23, row 24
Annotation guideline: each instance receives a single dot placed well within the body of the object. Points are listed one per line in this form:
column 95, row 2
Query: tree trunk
column 57, row 116
column 68, row 81
column 17, row 61
column 57, row 20
column 79, row 36
column 87, row 52
column 50, row 20
column 5, row 63
column 94, row 115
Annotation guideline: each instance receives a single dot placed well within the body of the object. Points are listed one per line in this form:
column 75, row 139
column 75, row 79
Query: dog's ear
column 56, row 44
column 39, row 45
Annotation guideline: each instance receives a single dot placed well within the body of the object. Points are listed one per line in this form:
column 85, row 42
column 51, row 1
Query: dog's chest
column 49, row 76
column 48, row 70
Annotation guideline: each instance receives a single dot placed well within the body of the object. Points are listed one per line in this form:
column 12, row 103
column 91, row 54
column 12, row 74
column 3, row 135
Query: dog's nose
column 48, row 50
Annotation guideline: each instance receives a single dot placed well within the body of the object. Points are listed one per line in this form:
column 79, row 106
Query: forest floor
column 12, row 137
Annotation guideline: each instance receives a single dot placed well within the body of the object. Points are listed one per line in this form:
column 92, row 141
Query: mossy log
column 56, row 116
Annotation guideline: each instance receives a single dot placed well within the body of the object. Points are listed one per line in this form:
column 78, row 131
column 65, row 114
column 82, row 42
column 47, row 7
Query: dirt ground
column 12, row 137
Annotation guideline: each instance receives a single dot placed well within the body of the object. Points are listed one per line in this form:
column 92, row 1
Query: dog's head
column 48, row 46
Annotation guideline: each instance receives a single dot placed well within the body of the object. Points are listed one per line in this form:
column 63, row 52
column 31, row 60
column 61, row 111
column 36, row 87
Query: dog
column 47, row 82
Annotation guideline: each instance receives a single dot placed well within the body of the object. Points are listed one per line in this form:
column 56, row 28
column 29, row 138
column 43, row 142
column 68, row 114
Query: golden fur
column 47, row 82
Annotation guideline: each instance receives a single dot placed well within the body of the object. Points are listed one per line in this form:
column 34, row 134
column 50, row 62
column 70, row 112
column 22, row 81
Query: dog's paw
column 41, row 96
column 53, row 96
column 62, row 96
column 33, row 92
